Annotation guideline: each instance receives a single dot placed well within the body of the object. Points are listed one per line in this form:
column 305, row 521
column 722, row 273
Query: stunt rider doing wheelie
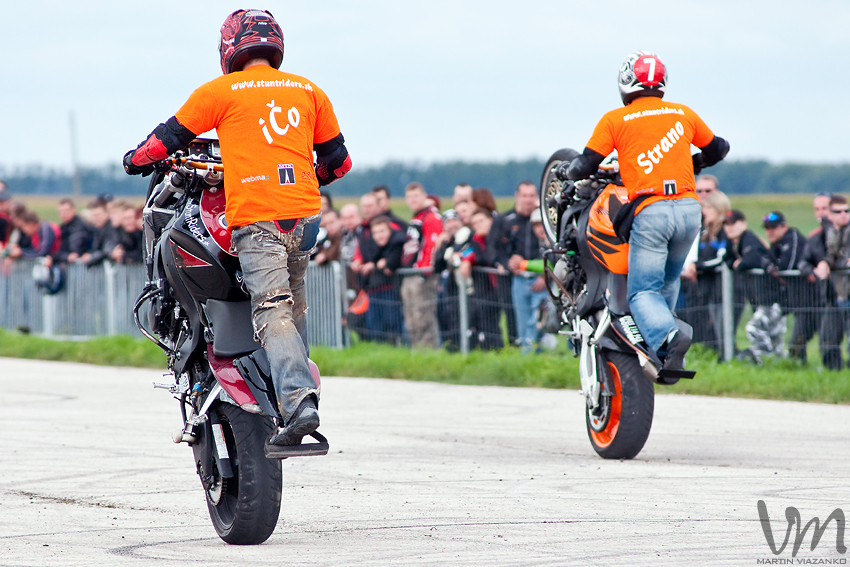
column 653, row 142
column 269, row 124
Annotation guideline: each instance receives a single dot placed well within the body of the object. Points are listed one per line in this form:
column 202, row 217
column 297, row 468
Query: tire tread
column 260, row 480
column 636, row 410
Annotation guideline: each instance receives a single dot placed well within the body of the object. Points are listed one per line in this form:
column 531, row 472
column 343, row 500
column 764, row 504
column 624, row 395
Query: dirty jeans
column 273, row 265
column 662, row 235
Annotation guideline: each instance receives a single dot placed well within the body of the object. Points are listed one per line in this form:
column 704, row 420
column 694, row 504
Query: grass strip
column 775, row 379
column 121, row 350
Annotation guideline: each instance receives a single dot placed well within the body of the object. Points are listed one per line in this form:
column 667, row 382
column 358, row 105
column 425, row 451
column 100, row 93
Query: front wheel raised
column 244, row 509
column 550, row 190
column 619, row 427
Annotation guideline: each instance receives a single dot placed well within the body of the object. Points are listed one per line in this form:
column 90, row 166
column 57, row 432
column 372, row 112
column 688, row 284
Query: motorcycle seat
column 233, row 331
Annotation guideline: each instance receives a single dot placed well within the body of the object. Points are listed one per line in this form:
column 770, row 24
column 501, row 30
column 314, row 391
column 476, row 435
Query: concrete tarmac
column 418, row 474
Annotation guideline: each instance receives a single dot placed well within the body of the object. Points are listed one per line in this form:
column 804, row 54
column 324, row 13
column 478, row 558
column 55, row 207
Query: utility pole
column 77, row 182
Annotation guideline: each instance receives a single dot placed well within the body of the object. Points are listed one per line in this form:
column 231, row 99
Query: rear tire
column 621, row 427
column 550, row 186
column 246, row 510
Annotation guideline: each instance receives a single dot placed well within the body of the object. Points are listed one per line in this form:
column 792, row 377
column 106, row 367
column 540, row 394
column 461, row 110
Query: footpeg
column 303, row 450
column 669, row 377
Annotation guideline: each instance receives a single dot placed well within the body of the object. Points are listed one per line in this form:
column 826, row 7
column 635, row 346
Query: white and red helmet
column 249, row 34
column 642, row 74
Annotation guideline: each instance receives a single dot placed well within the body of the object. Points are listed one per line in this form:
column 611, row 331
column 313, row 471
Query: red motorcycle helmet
column 642, row 74
column 250, row 34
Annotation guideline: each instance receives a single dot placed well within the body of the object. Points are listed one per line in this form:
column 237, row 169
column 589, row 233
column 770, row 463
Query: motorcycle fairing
column 212, row 215
column 199, row 270
column 596, row 273
column 608, row 248
column 230, row 378
column 200, row 243
column 187, row 303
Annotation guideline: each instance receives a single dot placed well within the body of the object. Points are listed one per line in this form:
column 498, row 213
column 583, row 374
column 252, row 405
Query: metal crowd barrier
column 92, row 301
column 474, row 312
column 786, row 312
column 99, row 301
column 470, row 313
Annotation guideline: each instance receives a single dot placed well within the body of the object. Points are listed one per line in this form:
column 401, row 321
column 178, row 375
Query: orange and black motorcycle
column 587, row 270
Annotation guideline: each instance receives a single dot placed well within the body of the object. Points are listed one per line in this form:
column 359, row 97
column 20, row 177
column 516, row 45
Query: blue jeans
column 384, row 317
column 662, row 235
column 526, row 303
column 273, row 265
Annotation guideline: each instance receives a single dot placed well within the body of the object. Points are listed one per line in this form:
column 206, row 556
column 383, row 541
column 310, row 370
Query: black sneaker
column 676, row 350
column 304, row 422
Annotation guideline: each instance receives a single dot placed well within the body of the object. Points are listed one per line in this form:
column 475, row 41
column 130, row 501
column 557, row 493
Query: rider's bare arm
column 585, row 164
column 163, row 141
column 715, row 151
column 332, row 160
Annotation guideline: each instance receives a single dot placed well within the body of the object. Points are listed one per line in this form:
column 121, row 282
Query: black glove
column 131, row 169
column 699, row 162
column 561, row 171
column 773, row 270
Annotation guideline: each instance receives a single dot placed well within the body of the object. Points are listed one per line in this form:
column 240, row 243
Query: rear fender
column 614, row 341
column 230, row 378
column 609, row 342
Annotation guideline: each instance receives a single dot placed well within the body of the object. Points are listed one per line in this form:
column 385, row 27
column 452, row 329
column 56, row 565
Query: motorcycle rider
column 269, row 124
column 653, row 141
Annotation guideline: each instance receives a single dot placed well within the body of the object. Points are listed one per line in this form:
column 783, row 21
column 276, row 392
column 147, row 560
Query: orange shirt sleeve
column 202, row 112
column 327, row 126
column 702, row 133
column 602, row 139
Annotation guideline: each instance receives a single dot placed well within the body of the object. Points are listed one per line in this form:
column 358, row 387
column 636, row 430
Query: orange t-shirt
column 653, row 141
column 267, row 123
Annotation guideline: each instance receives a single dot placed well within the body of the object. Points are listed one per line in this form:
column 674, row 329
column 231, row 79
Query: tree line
column 736, row 177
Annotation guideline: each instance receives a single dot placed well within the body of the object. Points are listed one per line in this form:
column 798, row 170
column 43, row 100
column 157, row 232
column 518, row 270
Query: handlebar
column 195, row 163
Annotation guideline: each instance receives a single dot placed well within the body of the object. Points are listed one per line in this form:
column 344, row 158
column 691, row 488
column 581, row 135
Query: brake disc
column 215, row 492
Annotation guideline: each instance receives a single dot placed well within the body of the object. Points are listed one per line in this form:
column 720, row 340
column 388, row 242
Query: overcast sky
column 437, row 80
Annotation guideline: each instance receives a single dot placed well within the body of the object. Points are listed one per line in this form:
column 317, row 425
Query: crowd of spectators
column 789, row 273
column 405, row 277
column 107, row 230
column 406, row 273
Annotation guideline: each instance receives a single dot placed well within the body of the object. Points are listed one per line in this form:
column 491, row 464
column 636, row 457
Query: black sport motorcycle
column 196, row 309
column 586, row 274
